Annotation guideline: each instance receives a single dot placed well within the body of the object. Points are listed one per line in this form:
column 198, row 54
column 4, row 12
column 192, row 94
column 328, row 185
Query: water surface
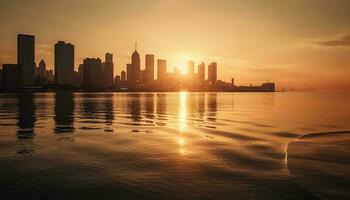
column 175, row 146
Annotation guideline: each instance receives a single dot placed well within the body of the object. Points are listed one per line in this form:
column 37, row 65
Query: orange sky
column 298, row 44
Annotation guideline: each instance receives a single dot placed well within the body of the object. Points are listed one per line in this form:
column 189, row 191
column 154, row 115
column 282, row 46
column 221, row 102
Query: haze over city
column 297, row 44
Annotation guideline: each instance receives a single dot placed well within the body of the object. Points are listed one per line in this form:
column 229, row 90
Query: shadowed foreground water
column 175, row 146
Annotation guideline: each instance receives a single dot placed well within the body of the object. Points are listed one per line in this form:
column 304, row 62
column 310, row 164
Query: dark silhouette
column 64, row 64
column 95, row 75
column 26, row 56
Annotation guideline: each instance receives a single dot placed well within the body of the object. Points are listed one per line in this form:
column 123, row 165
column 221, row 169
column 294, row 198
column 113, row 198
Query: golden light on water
column 182, row 141
column 182, row 121
column 183, row 111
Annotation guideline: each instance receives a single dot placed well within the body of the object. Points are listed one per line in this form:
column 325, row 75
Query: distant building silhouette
column 12, row 76
column 41, row 69
column 64, row 63
column 108, row 71
column 92, row 73
column 1, row 84
column 134, row 70
column 212, row 73
column 143, row 78
column 81, row 74
column 50, row 78
column 129, row 73
column 117, row 81
column 162, row 70
column 123, row 76
column 190, row 71
column 26, row 57
column 201, row 73
column 149, row 68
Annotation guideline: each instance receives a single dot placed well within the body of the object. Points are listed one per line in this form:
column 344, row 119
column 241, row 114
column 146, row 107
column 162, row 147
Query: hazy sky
column 296, row 43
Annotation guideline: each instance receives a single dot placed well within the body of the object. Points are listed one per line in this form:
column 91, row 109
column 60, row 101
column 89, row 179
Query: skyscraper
column 201, row 73
column 81, row 74
column 109, row 58
column 108, row 71
column 136, row 64
column 41, row 69
column 92, row 73
column 161, row 70
column 123, row 76
column 25, row 57
column 134, row 70
column 64, row 63
column 129, row 73
column 190, row 71
column 149, row 68
column 212, row 73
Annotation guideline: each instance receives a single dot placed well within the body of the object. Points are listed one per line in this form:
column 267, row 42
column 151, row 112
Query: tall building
column 212, row 73
column 149, row 68
column 109, row 58
column 123, row 76
column 81, row 74
column 92, row 73
column 190, row 70
column 41, row 69
column 201, row 73
column 129, row 73
column 143, row 78
column 108, row 71
column 64, row 63
column 50, row 78
column 134, row 70
column 117, row 81
column 12, row 76
column 26, row 56
column 161, row 70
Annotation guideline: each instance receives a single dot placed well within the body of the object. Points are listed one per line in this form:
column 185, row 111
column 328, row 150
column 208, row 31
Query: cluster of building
column 95, row 74
column 135, row 78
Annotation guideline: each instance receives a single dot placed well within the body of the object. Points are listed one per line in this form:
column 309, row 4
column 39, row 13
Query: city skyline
column 296, row 44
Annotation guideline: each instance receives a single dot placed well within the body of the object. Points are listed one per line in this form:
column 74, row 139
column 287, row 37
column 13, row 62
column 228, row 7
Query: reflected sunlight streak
column 182, row 121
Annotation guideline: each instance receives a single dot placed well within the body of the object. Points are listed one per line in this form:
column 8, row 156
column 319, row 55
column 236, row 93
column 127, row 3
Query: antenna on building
column 135, row 46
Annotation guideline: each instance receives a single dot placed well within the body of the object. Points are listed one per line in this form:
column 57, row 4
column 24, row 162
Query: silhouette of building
column 81, row 74
column 12, row 76
column 1, row 78
column 134, row 70
column 41, row 69
column 149, row 68
column 129, row 73
column 92, row 73
column 123, row 76
column 161, row 70
column 143, row 76
column 201, row 73
column 212, row 73
column 108, row 71
column 190, row 71
column 232, row 82
column 64, row 63
column 25, row 57
column 117, row 81
column 50, row 78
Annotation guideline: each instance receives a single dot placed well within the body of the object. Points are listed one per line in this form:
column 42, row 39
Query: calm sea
column 175, row 146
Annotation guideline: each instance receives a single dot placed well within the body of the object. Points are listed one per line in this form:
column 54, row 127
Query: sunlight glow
column 183, row 111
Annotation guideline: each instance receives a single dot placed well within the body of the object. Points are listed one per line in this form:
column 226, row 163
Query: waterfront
column 174, row 145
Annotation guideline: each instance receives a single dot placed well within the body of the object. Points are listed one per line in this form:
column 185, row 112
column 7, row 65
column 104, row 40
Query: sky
column 299, row 44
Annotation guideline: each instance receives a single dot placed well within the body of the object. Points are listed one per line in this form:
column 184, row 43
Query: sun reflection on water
column 182, row 121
